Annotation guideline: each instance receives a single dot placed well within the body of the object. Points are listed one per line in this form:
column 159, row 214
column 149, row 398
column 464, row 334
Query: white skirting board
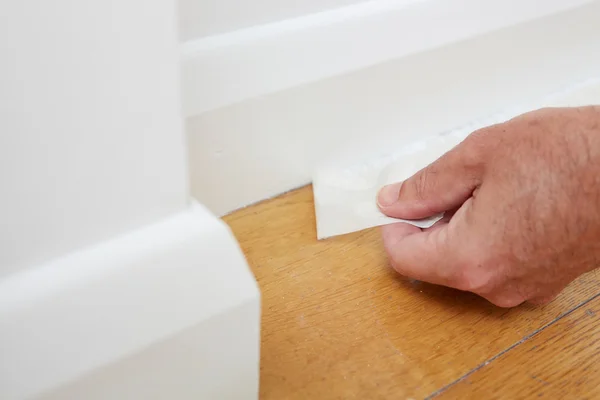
column 170, row 311
column 264, row 146
column 210, row 17
column 224, row 69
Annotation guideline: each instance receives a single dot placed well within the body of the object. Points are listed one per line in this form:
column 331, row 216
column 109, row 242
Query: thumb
column 443, row 185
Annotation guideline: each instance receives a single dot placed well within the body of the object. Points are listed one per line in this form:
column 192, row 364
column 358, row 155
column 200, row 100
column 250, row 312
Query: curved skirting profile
column 167, row 311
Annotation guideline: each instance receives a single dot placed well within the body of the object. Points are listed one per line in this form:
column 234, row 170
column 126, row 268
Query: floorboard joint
column 513, row 346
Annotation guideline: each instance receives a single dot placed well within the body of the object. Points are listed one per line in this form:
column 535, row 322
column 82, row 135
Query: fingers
column 443, row 185
column 422, row 255
column 426, row 255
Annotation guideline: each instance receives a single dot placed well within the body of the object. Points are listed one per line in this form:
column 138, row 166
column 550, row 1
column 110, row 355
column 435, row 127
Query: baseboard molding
column 211, row 17
column 225, row 69
column 140, row 316
column 264, row 146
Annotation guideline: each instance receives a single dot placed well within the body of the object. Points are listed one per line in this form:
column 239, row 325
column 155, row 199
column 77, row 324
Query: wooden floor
column 338, row 323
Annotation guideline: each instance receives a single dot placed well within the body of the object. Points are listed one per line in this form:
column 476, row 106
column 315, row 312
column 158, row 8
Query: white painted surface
column 198, row 18
column 111, row 285
column 168, row 311
column 265, row 146
column 91, row 141
column 186, row 366
column 228, row 68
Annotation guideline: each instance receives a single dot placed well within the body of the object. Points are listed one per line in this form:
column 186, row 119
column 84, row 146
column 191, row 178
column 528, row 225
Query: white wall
column 91, row 141
column 208, row 17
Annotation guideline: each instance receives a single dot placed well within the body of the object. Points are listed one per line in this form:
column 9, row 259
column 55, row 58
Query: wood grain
column 562, row 361
column 338, row 323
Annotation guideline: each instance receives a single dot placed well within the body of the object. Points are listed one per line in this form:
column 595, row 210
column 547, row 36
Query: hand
column 522, row 203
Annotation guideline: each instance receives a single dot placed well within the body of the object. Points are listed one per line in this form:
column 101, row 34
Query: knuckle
column 423, row 182
column 472, row 281
column 473, row 153
column 482, row 136
column 473, row 276
column 475, row 282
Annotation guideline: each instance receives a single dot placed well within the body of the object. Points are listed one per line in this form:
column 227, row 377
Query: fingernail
column 388, row 195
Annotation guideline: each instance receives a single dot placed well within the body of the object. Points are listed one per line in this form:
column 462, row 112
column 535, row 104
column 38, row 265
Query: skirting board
column 168, row 311
column 224, row 69
column 261, row 147
column 211, row 17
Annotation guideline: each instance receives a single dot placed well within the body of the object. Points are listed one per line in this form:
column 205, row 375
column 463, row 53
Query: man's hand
column 522, row 203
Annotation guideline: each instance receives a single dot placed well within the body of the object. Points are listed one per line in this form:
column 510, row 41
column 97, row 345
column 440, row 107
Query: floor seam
column 511, row 347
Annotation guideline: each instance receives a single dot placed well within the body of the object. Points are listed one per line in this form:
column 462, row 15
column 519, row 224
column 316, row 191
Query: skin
column 522, row 203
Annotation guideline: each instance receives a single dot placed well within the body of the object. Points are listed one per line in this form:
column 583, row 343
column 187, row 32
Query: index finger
column 424, row 255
